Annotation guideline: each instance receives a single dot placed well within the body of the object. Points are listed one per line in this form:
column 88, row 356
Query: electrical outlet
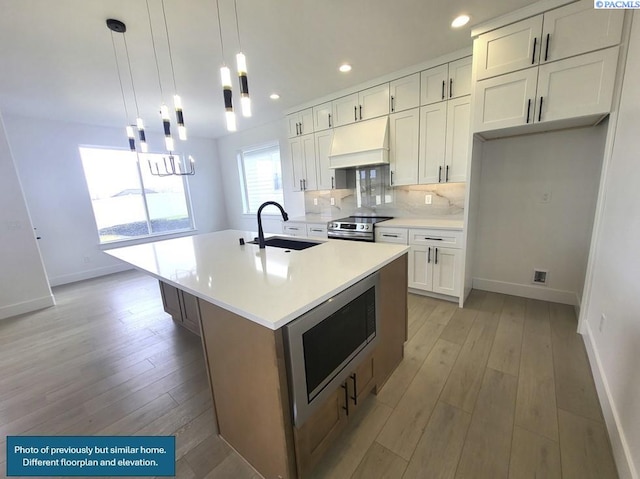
column 333, row 201
column 603, row 318
column 315, row 201
column 427, row 199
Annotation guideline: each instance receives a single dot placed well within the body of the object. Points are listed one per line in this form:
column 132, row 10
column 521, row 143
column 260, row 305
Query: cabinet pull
column 443, row 84
column 450, row 87
column 387, row 235
column 533, row 57
column 429, row 255
column 293, row 228
column 432, row 239
column 346, row 398
column 361, row 112
column 304, row 184
column 540, row 112
column 446, row 175
column 528, row 109
column 301, row 128
column 392, row 106
column 355, row 113
column 436, row 260
column 355, row 389
column 333, row 184
column 391, row 179
column 439, row 174
column 330, row 125
column 546, row 49
column 297, row 128
column 315, row 230
column 300, row 185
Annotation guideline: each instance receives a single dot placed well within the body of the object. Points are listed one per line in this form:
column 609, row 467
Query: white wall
column 517, row 232
column 228, row 148
column 615, row 274
column 48, row 163
column 22, row 275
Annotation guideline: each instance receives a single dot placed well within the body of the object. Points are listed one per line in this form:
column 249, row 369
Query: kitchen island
column 245, row 297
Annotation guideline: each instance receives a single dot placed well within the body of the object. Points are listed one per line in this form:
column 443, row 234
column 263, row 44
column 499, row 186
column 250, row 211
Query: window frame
column 243, row 177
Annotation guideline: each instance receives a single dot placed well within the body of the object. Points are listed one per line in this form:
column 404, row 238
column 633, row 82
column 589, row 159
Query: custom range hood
column 360, row 144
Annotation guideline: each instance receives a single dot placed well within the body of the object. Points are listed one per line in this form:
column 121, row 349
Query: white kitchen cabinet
column 300, row 123
column 316, row 230
column 404, row 134
column 444, row 141
column 322, row 117
column 579, row 86
column 327, row 178
column 451, row 80
column 435, row 269
column 567, row 31
column 294, row 229
column 303, row 160
column 405, row 93
column 364, row 105
column 391, row 235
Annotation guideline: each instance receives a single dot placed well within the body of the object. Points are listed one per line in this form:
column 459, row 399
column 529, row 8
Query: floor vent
column 539, row 276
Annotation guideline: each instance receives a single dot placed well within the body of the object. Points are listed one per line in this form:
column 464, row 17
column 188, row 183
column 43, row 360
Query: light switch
column 333, row 201
column 427, row 199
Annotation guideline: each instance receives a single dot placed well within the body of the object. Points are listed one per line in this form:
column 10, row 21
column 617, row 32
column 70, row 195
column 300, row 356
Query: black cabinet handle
column 361, row 112
column 450, row 87
column 432, row 239
column 429, row 255
column 439, row 174
column 528, row 109
column 293, row 228
column 301, row 128
column 546, row 49
column 533, row 57
column 392, row 105
column 391, row 179
column 297, row 128
column 300, row 185
column 446, row 175
column 436, row 261
column 355, row 390
column 346, row 398
column 443, row 84
column 540, row 112
column 304, row 184
column 330, row 125
column 387, row 235
column 355, row 113
column 332, row 183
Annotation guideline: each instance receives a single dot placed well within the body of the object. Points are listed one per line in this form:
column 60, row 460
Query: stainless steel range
column 357, row 228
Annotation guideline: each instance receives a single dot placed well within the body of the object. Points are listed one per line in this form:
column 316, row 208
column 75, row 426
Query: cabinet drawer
column 317, row 229
column 448, row 238
column 391, row 235
column 294, row 229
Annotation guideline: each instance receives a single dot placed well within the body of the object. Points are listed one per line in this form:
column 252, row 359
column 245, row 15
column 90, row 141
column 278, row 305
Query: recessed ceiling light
column 345, row 67
column 460, row 21
column 274, row 96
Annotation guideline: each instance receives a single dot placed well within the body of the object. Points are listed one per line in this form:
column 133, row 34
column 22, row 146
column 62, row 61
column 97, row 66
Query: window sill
column 147, row 239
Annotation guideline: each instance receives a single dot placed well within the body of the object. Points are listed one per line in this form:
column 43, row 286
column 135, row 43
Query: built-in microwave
column 324, row 345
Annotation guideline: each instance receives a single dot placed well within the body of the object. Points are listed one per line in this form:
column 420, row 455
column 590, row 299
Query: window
column 128, row 201
column 261, row 176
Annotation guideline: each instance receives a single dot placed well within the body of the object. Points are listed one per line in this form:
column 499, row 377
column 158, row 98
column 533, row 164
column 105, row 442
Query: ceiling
column 57, row 59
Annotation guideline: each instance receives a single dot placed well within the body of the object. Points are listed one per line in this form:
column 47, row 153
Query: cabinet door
column 577, row 86
column 433, row 128
column 579, row 28
column 433, row 84
column 405, row 93
column 403, row 147
column 458, row 137
column 296, row 154
column 505, row 101
column 345, row 110
column 322, row 117
column 293, row 123
column 446, row 271
column 373, row 102
column 360, row 383
column 306, row 121
column 420, row 266
column 171, row 300
column 191, row 312
column 309, row 155
column 325, row 175
column 508, row 49
column 460, row 78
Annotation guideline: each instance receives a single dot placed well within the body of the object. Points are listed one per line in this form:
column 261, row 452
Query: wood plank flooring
column 501, row 389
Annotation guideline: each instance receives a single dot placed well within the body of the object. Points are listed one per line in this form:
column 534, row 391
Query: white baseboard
column 26, row 306
column 88, row 274
column 526, row 291
column 431, row 294
column 619, row 444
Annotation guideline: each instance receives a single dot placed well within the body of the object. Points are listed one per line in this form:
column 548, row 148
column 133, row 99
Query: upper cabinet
column 300, row 123
column 561, row 33
column 322, row 117
column 444, row 82
column 405, row 93
column 303, row 159
column 364, row 105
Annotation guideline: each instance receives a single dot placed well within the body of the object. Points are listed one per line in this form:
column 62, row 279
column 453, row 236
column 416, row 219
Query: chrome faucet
column 285, row 217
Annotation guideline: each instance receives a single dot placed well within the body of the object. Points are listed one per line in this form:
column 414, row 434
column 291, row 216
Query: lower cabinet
column 319, row 432
column 294, row 229
column 435, row 269
column 183, row 307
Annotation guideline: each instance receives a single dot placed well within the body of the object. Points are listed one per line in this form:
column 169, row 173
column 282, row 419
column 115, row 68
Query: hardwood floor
column 501, row 389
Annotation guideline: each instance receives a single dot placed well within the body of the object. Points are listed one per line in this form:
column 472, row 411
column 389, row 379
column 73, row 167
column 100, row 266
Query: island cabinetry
column 182, row 306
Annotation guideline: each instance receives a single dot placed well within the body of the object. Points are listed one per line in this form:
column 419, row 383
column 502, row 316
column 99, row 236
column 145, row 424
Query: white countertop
column 270, row 287
column 436, row 223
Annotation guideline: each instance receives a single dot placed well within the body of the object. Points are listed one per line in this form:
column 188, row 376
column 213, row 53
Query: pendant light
column 225, row 78
column 241, row 62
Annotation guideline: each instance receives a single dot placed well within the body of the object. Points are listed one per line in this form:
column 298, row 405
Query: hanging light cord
column 133, row 88
column 235, row 6
column 166, row 28
column 115, row 55
column 155, row 53
column 220, row 30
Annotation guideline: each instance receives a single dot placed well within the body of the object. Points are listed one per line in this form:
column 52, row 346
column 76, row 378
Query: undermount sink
column 288, row 243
